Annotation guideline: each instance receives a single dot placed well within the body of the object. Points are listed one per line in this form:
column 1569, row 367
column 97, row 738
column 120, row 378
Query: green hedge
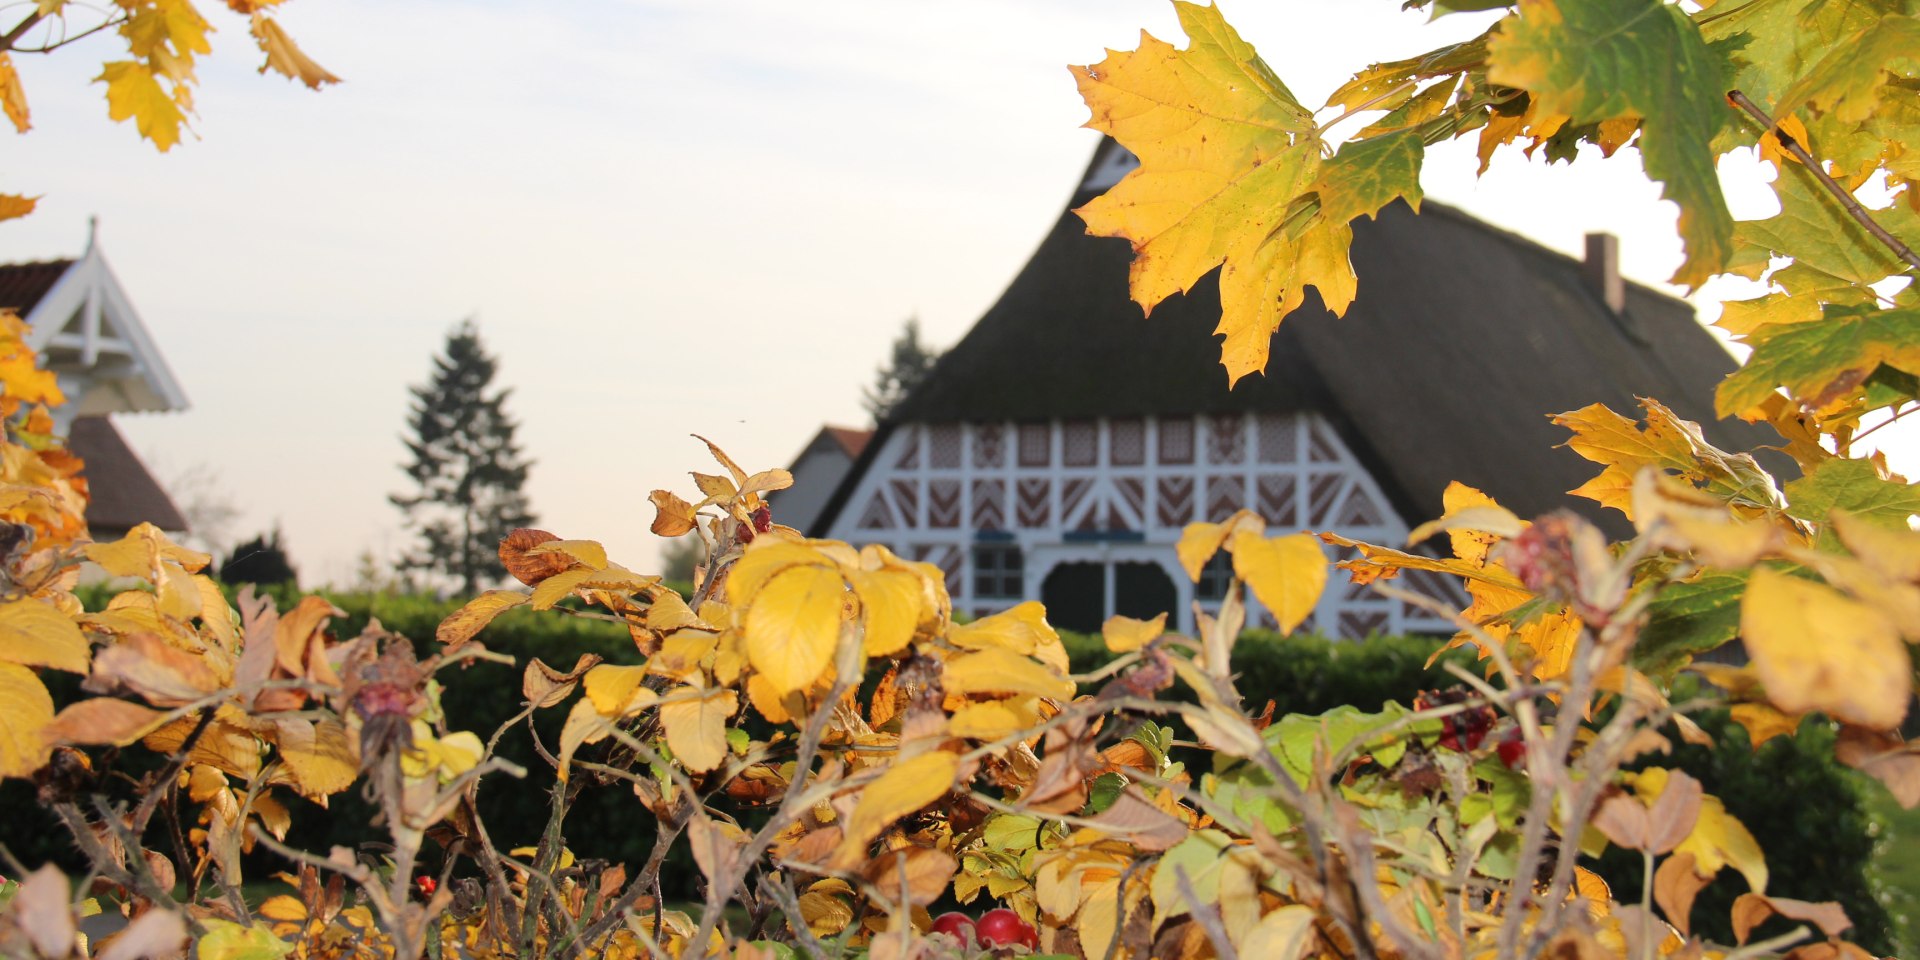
column 1802, row 806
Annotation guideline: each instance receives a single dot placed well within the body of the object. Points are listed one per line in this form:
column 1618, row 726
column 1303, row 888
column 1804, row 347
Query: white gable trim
column 110, row 364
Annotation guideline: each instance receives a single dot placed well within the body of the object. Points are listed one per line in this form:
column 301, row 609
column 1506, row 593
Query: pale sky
column 668, row 216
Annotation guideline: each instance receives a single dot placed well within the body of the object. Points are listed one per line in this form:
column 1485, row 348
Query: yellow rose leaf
column 586, row 552
column 696, row 722
column 1200, row 541
column 904, row 788
column 461, row 625
column 36, row 634
column 1816, row 649
column 25, row 708
column 1286, row 573
column 793, row 625
column 321, row 756
column 1125, row 634
column 997, row 670
column 763, row 559
column 558, row 587
column 615, row 691
column 890, row 608
column 1022, row 629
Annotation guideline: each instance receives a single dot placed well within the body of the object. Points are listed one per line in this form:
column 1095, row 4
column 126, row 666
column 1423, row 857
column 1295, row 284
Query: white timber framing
column 1307, row 476
column 88, row 333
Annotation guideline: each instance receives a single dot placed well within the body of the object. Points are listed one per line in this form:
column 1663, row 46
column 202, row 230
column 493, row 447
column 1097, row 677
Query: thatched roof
column 1462, row 341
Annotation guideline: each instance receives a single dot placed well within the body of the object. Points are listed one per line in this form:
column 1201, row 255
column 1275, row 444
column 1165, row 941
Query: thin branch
column 1852, row 206
column 20, row 29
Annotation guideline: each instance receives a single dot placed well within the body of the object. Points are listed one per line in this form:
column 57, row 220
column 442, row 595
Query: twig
column 1852, row 206
column 1771, row 945
column 1204, row 915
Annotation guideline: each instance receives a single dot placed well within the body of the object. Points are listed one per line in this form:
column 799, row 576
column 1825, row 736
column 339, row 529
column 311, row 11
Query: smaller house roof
column 851, row 441
column 123, row 492
column 22, row 285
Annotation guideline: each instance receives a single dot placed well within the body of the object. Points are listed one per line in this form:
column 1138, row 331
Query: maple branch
column 1853, row 207
column 75, row 38
column 20, row 29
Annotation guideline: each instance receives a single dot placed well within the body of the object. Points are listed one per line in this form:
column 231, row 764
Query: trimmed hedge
column 1805, row 808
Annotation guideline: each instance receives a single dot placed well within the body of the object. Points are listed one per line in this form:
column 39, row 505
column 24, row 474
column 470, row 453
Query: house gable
column 1113, row 492
column 88, row 333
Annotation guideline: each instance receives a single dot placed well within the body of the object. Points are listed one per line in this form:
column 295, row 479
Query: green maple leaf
column 1369, row 174
column 1774, row 42
column 1595, row 60
column 1856, row 487
column 1848, row 80
column 1823, row 360
column 1818, row 234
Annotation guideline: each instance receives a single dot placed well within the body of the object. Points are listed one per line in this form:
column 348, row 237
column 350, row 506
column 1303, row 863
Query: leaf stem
column 1840, row 193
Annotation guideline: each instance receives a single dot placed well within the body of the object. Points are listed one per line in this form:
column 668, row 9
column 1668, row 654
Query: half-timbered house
column 1057, row 451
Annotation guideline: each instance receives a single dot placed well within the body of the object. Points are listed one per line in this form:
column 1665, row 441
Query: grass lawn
column 1896, row 867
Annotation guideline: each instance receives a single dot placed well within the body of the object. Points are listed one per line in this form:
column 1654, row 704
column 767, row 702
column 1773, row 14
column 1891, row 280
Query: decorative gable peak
column 88, row 333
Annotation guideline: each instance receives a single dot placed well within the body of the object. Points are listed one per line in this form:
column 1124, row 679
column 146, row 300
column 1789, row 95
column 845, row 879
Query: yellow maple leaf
column 133, row 92
column 1226, row 152
column 13, row 97
column 285, row 57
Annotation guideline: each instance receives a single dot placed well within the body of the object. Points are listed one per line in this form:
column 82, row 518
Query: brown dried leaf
column 1884, row 757
column 926, row 872
column 531, row 568
column 543, row 686
column 43, row 912
column 154, row 935
column 1753, row 909
column 1136, row 819
column 102, row 720
column 142, row 663
column 1624, row 821
column 1675, row 885
column 673, row 516
column 1672, row 816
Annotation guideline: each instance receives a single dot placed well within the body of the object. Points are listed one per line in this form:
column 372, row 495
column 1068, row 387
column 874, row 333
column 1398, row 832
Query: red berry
column 1004, row 928
column 426, row 884
column 762, row 520
column 956, row 925
column 1513, row 750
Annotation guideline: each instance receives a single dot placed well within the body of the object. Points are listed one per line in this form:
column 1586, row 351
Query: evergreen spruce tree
column 909, row 364
column 467, row 468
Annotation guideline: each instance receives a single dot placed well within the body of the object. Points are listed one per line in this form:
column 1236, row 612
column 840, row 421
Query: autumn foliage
column 841, row 757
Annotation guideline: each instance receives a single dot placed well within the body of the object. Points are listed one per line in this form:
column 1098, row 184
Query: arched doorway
column 1144, row 591
column 1081, row 594
column 1076, row 596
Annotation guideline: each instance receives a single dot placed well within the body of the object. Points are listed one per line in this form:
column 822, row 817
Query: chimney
column 1602, row 271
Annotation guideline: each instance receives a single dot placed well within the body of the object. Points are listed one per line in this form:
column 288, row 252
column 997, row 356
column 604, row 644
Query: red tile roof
column 23, row 284
column 124, row 493
column 851, row 440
